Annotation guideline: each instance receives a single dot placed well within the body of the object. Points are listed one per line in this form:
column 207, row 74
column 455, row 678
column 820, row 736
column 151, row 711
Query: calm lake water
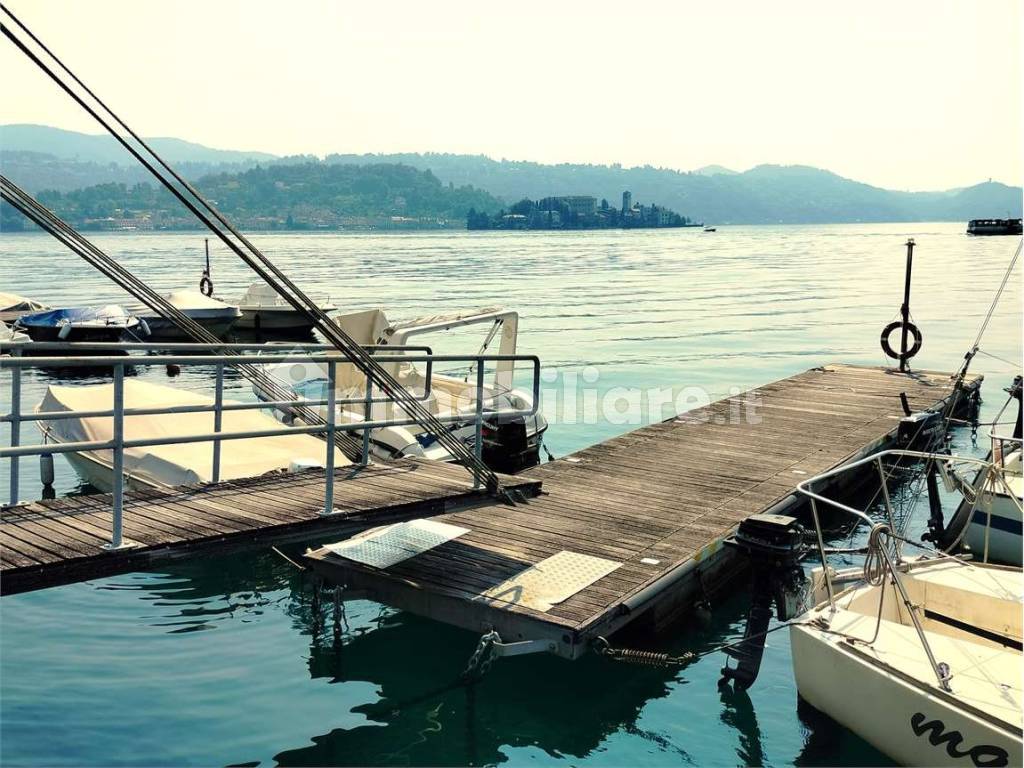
column 220, row 661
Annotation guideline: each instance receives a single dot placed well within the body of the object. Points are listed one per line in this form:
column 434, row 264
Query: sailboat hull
column 908, row 722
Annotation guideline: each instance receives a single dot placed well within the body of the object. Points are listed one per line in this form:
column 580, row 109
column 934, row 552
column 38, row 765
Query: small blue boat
column 109, row 323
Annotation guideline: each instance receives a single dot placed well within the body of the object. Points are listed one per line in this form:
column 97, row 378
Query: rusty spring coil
column 642, row 658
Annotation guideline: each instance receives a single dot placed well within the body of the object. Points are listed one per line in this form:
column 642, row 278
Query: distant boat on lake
column 994, row 227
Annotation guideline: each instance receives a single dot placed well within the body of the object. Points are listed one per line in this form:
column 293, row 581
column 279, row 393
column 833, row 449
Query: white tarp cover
column 14, row 304
column 185, row 463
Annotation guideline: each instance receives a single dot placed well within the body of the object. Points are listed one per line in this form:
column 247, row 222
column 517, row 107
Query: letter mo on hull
column 981, row 755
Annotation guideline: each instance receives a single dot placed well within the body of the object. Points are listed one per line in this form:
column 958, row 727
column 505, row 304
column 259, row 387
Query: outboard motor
column 922, row 431
column 774, row 545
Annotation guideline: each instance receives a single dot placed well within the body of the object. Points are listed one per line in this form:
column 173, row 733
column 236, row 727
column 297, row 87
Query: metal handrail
column 17, row 362
column 891, row 565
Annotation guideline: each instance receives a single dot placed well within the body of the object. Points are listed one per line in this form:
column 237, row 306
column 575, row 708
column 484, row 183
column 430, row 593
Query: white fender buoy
column 144, row 327
column 64, row 332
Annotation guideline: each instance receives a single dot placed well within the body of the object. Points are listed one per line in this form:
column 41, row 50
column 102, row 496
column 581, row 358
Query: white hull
column 898, row 717
column 101, row 476
column 882, row 686
column 1002, row 531
column 217, row 322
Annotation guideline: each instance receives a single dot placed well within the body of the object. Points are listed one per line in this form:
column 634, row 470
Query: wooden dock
column 45, row 543
column 657, row 501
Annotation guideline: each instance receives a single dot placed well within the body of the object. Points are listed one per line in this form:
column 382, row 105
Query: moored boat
column 13, row 306
column 262, row 308
column 165, row 466
column 214, row 315
column 923, row 662
column 510, row 443
column 99, row 324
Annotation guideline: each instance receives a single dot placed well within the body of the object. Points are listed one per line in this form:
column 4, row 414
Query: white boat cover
column 182, row 464
column 186, row 299
column 189, row 299
column 12, row 302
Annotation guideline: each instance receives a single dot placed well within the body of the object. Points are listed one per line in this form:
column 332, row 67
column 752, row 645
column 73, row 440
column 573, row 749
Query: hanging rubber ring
column 206, row 286
column 911, row 329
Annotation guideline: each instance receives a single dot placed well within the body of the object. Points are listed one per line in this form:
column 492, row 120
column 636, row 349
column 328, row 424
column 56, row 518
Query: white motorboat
column 13, row 306
column 263, row 309
column 509, row 443
column 163, row 466
column 214, row 315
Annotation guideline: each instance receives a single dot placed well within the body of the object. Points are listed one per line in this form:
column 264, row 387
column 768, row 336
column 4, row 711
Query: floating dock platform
column 629, row 529
column 46, row 543
column 633, row 528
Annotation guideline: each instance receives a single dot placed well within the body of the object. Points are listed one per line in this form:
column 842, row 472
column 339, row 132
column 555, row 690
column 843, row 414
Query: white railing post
column 218, row 417
column 116, row 537
column 367, row 417
column 15, row 425
column 329, row 463
column 479, row 438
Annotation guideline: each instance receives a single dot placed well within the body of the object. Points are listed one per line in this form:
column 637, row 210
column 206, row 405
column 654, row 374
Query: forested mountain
column 767, row 194
column 306, row 195
column 43, row 158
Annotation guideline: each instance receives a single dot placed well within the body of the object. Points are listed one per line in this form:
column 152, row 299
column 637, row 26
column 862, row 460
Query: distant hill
column 767, row 194
column 305, row 195
column 104, row 149
column 714, row 170
column 40, row 157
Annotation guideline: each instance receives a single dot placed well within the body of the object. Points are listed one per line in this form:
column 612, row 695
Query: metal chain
column 482, row 658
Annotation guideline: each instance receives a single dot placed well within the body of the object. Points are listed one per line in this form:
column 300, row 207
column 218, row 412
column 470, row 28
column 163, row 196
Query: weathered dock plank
column 658, row 500
column 52, row 542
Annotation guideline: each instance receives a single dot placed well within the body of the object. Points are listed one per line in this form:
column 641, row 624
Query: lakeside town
column 578, row 212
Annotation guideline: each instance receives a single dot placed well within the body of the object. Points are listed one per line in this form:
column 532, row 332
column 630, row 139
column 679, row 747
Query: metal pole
column 888, row 507
column 821, row 551
column 218, row 403
column 478, row 443
column 905, row 309
column 116, row 539
column 367, row 417
column 15, row 425
column 942, row 676
column 329, row 463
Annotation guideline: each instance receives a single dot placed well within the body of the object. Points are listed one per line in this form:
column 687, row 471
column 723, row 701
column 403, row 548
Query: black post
column 905, row 309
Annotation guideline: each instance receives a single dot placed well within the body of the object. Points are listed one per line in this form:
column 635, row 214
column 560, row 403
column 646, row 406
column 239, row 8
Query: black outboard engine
column 774, row 545
column 922, row 431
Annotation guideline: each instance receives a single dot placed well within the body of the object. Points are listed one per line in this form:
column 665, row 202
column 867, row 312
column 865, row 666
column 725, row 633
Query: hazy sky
column 902, row 94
